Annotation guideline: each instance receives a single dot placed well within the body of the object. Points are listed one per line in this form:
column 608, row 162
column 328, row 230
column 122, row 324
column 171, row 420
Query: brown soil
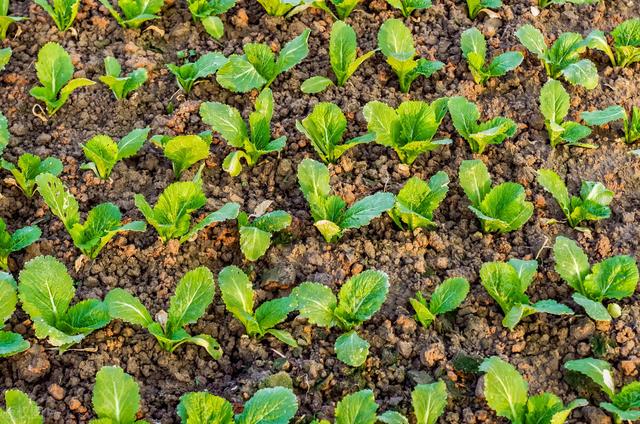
column 402, row 353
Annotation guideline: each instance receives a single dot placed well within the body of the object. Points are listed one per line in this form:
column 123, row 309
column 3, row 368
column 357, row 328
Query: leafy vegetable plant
column 507, row 283
column 5, row 20
column 343, row 55
column 103, row 153
column 592, row 205
column 55, row 70
column 256, row 231
column 562, row 59
column 624, row 405
column 554, row 105
column 19, row 240
column 325, row 128
column 20, row 409
column 190, row 72
column 135, row 12
column 507, row 394
column 408, row 6
column 409, row 129
column 396, row 43
column 275, row 405
column 207, row 11
column 103, row 222
column 626, row 43
column 614, row 278
column 183, row 151
column 258, row 66
column 194, row 293
column 476, row 6
column 122, row 86
column 446, row 297
column 547, row 3
column 330, row 213
column 428, row 401
column 10, row 343
column 417, row 200
column 63, row 12
column 238, row 296
column 5, row 57
column 253, row 140
column 46, row 291
column 630, row 121
column 474, row 50
column 358, row 300
column 171, row 216
column 116, row 397
column 29, row 167
column 479, row 135
column 502, row 208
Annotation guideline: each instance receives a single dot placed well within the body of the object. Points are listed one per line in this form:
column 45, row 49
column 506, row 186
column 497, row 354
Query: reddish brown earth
column 402, row 353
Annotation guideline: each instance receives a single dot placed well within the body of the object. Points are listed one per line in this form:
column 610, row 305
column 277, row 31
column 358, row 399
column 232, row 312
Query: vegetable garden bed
column 434, row 304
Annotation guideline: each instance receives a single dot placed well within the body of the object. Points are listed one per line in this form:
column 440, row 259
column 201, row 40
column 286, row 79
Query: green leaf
column 225, row 120
column 351, row 349
column 532, row 39
column 4, row 133
column 502, row 282
column 548, row 408
column 504, row 208
column 228, row 211
column 237, row 294
column 423, row 315
column 325, row 127
column 84, row 317
column 628, row 397
column 194, row 293
column 465, row 115
column 116, row 396
column 254, row 242
column 11, row 344
column 449, row 295
column 273, row 312
column 505, row 62
column 597, row 370
column 552, row 183
column 214, row 26
column 315, row 85
column 61, row 203
column 472, row 41
column 189, row 73
column 357, row 408
column 294, row 52
column 239, row 76
column 125, row 307
column 395, row 40
column 362, row 296
column 275, row 405
column 364, row 210
column 571, row 263
column 314, row 181
column 5, row 57
column 19, row 409
column 504, row 389
column 392, row 417
column 204, row 408
column 316, row 303
column 613, row 278
column 102, row 152
column 184, row 151
column 131, row 143
column 594, row 309
column 429, row 401
column 583, row 73
column 45, row 289
column 475, row 180
column 605, row 116
column 629, row 415
column 29, row 167
column 8, row 297
column 122, row 86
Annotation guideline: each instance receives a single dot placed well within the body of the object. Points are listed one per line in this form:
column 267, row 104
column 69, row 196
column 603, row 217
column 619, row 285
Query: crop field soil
column 402, row 352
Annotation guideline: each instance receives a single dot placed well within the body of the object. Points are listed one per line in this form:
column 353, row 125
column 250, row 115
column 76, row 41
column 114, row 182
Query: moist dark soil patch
column 402, row 353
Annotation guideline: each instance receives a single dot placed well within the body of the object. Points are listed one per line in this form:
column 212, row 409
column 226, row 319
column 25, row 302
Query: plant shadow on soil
column 402, row 353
